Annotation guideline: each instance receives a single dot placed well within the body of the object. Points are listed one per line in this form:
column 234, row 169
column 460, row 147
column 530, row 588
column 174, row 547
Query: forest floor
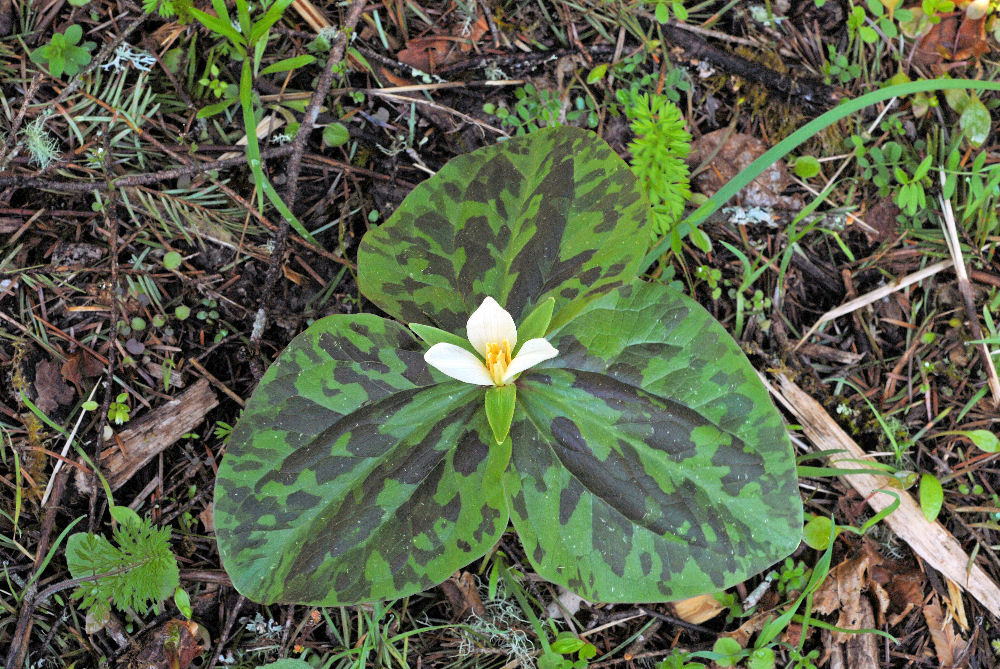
column 146, row 284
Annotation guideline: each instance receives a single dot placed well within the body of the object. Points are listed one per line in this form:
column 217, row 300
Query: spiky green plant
column 658, row 151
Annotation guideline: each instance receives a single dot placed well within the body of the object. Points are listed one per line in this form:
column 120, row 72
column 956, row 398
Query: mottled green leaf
column 553, row 214
column 357, row 473
column 643, row 463
column 648, row 463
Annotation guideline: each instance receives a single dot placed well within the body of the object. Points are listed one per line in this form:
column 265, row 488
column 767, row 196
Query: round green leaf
column 336, row 134
column 984, row 439
column 931, row 497
column 816, row 533
column 172, row 260
column 566, row 643
column 662, row 12
column 806, row 167
column 597, row 73
column 552, row 214
column 730, row 650
column 183, row 602
column 975, row 121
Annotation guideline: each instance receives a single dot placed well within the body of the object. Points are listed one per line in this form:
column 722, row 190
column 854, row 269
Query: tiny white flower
column 492, row 333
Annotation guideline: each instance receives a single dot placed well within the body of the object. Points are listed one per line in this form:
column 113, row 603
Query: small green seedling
column 118, row 411
column 806, row 167
column 678, row 659
column 63, row 54
column 561, row 650
column 335, row 134
column 728, row 652
column 172, row 260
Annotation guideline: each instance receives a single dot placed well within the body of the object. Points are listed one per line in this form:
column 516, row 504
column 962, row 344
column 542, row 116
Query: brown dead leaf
column 792, row 634
column 743, row 633
column 883, row 601
column 947, row 645
column 842, row 592
column 461, row 591
column 881, row 220
column 50, row 388
column 434, row 51
column 729, row 154
column 956, row 609
column 207, row 518
column 955, row 37
column 906, row 592
column 697, row 610
column 80, row 365
column 393, row 78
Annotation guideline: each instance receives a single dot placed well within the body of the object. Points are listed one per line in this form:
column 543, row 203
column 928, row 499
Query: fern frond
column 139, row 572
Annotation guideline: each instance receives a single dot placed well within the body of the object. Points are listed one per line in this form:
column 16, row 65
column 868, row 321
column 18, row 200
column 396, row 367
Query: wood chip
column 150, row 434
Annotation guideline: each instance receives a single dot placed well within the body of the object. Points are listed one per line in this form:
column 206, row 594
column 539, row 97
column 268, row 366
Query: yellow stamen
column 497, row 359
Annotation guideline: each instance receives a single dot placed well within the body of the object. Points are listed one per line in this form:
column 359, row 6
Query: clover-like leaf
column 554, row 214
column 356, row 473
column 648, row 462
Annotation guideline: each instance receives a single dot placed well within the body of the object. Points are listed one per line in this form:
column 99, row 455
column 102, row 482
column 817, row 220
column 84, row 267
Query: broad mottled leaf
column 357, row 473
column 648, row 463
column 554, row 214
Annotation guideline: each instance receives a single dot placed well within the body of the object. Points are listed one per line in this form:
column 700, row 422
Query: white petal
column 532, row 352
column 458, row 363
column 490, row 323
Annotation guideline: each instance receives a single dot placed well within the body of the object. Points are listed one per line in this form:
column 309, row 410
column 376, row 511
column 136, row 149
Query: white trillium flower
column 492, row 333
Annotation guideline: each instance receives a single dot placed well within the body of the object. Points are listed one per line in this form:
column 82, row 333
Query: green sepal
column 432, row 335
column 536, row 323
column 500, row 410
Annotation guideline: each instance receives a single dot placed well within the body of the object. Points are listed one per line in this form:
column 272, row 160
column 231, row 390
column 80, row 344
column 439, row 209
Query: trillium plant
column 539, row 382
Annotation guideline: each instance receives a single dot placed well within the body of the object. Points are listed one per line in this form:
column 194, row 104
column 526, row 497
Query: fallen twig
column 965, row 289
column 874, row 296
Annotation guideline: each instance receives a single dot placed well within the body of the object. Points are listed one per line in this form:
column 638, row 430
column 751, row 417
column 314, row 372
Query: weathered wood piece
column 130, row 449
